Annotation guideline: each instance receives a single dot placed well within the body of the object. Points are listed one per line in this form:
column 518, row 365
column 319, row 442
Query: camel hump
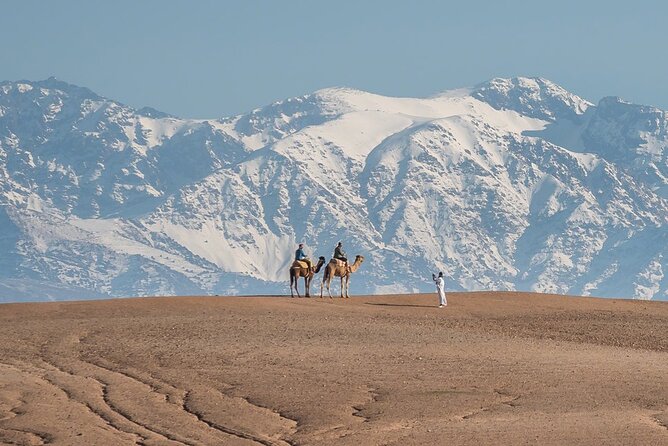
column 337, row 262
column 299, row 264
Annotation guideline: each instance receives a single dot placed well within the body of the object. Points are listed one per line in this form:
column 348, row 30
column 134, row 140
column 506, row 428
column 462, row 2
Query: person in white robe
column 440, row 288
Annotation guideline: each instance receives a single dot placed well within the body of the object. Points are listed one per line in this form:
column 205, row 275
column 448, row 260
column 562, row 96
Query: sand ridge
column 491, row 368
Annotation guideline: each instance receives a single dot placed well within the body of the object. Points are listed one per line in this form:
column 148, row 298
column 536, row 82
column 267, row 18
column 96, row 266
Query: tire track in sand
column 154, row 410
column 183, row 399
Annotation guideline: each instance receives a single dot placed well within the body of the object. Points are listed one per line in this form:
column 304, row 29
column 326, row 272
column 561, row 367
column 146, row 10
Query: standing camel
column 301, row 269
column 337, row 268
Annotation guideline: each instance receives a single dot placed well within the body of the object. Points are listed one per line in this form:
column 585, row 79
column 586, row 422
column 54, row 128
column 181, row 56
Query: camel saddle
column 299, row 264
column 338, row 262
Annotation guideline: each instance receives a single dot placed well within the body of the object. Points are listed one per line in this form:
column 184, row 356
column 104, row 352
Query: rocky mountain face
column 512, row 184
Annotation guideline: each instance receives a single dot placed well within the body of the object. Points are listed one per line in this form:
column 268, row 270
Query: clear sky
column 206, row 59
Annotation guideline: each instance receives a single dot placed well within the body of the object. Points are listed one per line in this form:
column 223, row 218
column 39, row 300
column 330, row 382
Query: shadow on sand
column 399, row 305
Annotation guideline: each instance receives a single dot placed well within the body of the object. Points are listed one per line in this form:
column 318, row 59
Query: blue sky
column 205, row 59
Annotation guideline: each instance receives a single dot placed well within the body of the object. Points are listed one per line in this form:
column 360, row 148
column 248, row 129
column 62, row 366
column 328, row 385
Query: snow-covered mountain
column 512, row 184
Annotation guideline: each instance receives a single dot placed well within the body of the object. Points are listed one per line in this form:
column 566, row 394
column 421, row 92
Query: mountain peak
column 529, row 84
column 49, row 84
column 532, row 96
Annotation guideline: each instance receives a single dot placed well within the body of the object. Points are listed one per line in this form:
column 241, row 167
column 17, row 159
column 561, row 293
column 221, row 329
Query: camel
column 337, row 268
column 300, row 269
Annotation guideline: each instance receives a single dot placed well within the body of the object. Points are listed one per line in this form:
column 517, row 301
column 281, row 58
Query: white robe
column 440, row 288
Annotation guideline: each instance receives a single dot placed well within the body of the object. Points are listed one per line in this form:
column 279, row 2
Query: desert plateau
column 490, row 368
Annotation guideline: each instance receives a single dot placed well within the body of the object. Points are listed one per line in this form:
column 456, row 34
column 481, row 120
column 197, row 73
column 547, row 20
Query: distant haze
column 213, row 59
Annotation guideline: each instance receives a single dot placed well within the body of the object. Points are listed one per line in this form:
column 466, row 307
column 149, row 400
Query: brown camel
column 301, row 269
column 337, row 268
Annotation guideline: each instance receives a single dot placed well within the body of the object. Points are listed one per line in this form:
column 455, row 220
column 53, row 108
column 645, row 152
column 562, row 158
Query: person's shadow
column 398, row 305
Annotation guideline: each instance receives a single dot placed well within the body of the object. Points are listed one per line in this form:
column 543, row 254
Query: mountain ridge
column 511, row 184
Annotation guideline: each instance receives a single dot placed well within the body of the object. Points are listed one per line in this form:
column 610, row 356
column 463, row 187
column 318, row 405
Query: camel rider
column 301, row 256
column 340, row 254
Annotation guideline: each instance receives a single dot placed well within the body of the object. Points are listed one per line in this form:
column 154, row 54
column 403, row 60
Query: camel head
column 358, row 261
column 321, row 261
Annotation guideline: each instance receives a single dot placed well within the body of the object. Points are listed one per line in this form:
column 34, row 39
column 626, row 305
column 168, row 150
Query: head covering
column 440, row 274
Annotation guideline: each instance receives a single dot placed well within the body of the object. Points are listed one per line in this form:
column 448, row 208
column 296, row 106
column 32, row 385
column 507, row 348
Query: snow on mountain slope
column 513, row 184
column 92, row 157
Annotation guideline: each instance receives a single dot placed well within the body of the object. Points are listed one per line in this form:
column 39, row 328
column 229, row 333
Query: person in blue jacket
column 302, row 257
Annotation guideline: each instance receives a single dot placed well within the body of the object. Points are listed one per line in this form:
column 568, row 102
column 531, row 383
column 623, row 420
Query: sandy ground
column 491, row 368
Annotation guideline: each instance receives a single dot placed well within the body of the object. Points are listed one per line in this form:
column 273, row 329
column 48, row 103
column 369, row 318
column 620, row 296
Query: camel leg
column 307, row 286
column 347, row 285
column 325, row 277
column 292, row 281
column 297, row 284
column 341, row 287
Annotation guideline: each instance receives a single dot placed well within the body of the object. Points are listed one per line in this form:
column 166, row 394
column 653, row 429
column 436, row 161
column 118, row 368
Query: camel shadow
column 398, row 305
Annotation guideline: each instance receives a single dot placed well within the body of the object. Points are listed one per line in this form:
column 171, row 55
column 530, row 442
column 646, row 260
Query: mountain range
column 514, row 184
